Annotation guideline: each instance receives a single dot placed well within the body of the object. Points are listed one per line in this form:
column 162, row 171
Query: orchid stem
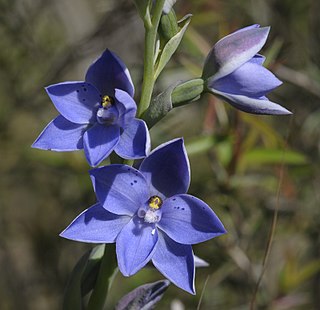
column 151, row 30
column 107, row 272
column 108, row 263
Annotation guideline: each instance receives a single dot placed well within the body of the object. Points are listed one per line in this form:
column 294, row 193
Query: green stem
column 109, row 263
column 104, row 280
column 151, row 30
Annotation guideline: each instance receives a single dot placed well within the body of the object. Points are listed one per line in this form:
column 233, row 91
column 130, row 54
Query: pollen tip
column 155, row 202
column 106, row 101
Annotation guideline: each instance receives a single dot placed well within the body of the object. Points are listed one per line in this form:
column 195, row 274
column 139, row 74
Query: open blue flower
column 234, row 72
column 149, row 215
column 97, row 115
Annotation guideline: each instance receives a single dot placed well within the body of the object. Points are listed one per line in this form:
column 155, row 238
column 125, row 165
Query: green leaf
column 200, row 145
column 263, row 130
column 72, row 296
column 83, row 278
column 270, row 156
column 159, row 107
column 172, row 46
column 295, row 274
column 105, row 277
column 91, row 271
column 306, row 272
column 222, row 147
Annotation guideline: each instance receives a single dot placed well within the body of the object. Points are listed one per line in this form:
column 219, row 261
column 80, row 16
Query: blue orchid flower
column 149, row 215
column 97, row 115
column 234, row 72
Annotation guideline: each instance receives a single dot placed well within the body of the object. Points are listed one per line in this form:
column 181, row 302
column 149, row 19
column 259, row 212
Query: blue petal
column 109, row 72
column 251, row 79
column 175, row 262
column 167, row 169
column 188, row 220
column 95, row 225
column 134, row 141
column 199, row 262
column 99, row 141
column 233, row 51
column 120, row 189
column 258, row 59
column 247, row 28
column 168, row 4
column 252, row 105
column 76, row 101
column 126, row 106
column 61, row 135
column 135, row 246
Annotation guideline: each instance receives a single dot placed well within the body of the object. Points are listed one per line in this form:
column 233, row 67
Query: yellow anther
column 106, row 101
column 155, row 202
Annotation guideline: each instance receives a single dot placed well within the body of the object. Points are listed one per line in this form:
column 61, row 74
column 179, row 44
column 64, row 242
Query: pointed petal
column 233, row 51
column 134, row 141
column 120, row 189
column 168, row 4
column 247, row 28
column 258, row 59
column 76, row 101
column 95, row 225
column 126, row 106
column 199, row 262
column 143, row 297
column 135, row 246
column 167, row 169
column 99, row 141
column 252, row 105
column 251, row 79
column 188, row 220
column 109, row 72
column 61, row 135
column 175, row 262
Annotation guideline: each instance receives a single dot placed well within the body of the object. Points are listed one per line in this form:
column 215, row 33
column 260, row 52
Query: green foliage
column 258, row 157
column 171, row 46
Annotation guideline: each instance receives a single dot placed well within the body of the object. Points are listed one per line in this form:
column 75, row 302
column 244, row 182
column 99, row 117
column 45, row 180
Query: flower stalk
column 109, row 263
column 107, row 272
column 151, row 30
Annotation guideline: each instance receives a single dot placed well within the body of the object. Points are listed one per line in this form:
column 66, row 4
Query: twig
column 202, row 292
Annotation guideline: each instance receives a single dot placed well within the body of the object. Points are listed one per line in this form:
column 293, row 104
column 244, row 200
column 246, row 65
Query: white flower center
column 151, row 216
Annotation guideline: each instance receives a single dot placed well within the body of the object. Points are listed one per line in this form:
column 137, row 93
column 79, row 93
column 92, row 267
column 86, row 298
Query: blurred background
column 237, row 160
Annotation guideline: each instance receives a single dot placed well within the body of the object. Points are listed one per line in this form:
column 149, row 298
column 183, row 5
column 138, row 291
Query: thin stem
column 269, row 244
column 202, row 292
column 151, row 30
column 272, row 230
column 105, row 278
